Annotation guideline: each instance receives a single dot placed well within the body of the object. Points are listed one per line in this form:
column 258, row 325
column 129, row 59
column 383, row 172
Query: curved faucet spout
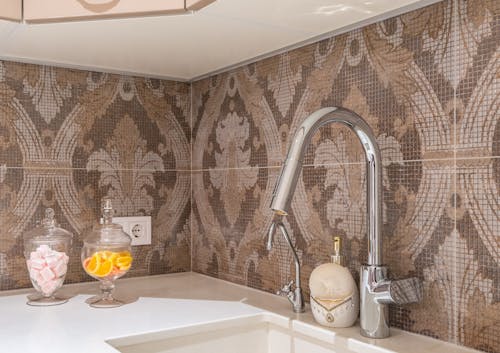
column 285, row 187
column 376, row 291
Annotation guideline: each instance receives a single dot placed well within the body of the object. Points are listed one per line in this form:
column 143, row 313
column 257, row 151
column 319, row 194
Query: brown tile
column 428, row 34
column 10, row 148
column 230, row 217
column 170, row 250
column 47, row 94
column 478, row 131
column 381, row 73
column 420, row 219
column 477, row 297
column 75, row 196
column 168, row 106
column 343, row 76
column 460, row 273
column 236, row 128
column 11, row 214
column 145, row 128
column 61, row 117
column 200, row 93
column 477, row 254
column 478, row 192
column 283, row 79
column 477, row 300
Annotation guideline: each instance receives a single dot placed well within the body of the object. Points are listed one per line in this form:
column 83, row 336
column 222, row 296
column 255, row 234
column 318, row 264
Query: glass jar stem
column 107, row 288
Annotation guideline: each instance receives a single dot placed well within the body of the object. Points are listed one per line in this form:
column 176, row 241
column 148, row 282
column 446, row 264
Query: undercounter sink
column 247, row 335
column 261, row 333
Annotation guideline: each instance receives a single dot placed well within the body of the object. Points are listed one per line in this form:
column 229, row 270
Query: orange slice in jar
column 113, row 257
column 93, row 264
column 104, row 269
column 124, row 262
column 124, row 267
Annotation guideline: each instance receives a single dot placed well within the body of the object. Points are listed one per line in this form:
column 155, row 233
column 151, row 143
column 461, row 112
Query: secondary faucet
column 294, row 295
column 376, row 291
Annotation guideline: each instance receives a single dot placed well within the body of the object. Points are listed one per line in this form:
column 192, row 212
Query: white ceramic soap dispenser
column 334, row 294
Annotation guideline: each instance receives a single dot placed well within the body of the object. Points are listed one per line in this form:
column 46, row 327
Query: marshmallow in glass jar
column 46, row 249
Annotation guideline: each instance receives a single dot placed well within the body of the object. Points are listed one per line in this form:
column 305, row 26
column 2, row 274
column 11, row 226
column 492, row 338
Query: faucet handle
column 398, row 291
column 287, row 288
column 406, row 291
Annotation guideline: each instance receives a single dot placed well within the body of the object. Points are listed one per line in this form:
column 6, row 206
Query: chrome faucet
column 376, row 291
column 294, row 295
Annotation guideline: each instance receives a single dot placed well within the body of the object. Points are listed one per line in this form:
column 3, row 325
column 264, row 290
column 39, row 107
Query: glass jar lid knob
column 49, row 220
column 107, row 211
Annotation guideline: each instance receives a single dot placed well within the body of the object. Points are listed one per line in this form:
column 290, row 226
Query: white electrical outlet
column 139, row 228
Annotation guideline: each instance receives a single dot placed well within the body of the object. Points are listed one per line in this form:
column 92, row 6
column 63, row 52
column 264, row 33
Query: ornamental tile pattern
column 69, row 138
column 428, row 83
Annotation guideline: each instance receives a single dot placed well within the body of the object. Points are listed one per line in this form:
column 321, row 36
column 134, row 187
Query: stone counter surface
column 161, row 303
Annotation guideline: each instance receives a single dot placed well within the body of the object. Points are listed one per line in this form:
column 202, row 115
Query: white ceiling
column 225, row 34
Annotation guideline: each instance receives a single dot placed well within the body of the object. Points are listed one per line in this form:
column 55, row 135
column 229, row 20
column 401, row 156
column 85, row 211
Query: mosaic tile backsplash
column 69, row 138
column 202, row 159
column 428, row 83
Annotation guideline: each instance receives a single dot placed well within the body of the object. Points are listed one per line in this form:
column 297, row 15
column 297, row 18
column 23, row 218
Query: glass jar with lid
column 106, row 256
column 46, row 250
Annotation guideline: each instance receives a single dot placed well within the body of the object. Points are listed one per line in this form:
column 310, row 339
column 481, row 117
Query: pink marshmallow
column 38, row 263
column 60, row 269
column 51, row 260
column 33, row 273
column 47, row 274
column 39, row 278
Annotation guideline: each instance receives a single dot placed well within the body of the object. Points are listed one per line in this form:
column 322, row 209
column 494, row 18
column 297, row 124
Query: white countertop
column 165, row 302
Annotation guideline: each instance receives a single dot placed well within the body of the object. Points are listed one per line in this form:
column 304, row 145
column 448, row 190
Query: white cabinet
column 11, row 10
column 68, row 10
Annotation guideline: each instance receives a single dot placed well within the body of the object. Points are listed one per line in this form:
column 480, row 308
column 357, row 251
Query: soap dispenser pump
column 334, row 294
column 336, row 257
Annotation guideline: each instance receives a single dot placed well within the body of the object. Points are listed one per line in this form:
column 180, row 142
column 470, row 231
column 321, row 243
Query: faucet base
column 298, row 303
column 294, row 296
column 374, row 316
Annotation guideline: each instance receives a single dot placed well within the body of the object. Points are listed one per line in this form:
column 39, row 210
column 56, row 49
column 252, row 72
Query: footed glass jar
column 46, row 250
column 106, row 256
